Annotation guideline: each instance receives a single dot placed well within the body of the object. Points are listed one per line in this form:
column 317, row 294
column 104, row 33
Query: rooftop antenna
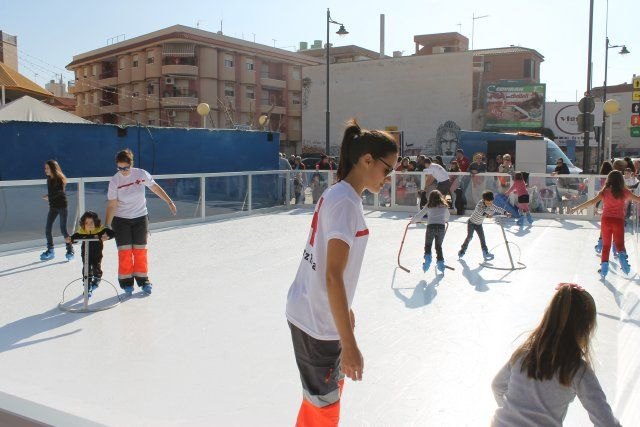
column 254, row 37
column 198, row 22
column 274, row 42
column 459, row 27
column 473, row 24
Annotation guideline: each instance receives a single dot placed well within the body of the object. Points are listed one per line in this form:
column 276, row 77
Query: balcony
column 108, row 79
column 273, row 80
column 180, row 98
column 180, row 70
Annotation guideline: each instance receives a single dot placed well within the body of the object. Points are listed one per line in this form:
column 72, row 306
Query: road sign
column 635, row 108
column 587, row 104
column 636, row 82
column 635, row 95
column 635, row 131
column 635, row 120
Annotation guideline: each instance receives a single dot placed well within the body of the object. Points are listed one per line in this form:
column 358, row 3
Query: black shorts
column 523, row 199
column 319, row 365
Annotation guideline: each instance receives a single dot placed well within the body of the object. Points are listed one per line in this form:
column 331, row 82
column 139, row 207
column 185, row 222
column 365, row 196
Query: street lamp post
column 623, row 51
column 610, row 108
column 340, row 32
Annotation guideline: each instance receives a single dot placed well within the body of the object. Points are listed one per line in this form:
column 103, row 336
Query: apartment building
column 159, row 78
column 9, row 50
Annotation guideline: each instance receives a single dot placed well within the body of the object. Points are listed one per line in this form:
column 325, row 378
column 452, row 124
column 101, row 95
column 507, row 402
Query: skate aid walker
column 499, row 219
column 70, row 307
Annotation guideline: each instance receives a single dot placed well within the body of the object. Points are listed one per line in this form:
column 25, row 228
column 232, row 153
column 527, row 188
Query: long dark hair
column 560, row 343
column 436, row 200
column 615, row 182
column 357, row 142
column 56, row 172
column 605, row 168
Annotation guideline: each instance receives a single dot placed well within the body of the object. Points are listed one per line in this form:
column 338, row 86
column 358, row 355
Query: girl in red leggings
column 614, row 195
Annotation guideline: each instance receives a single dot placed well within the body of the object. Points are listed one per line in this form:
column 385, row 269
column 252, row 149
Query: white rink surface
column 211, row 346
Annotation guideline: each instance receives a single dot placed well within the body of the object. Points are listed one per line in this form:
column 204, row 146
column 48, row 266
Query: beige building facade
column 159, row 79
column 9, row 50
column 412, row 94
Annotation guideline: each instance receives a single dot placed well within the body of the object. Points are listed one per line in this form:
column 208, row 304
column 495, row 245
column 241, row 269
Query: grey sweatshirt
column 525, row 402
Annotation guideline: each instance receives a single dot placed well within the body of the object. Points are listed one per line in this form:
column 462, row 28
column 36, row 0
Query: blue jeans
column 434, row 232
column 51, row 217
column 471, row 228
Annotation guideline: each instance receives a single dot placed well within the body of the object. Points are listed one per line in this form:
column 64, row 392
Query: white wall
column 416, row 94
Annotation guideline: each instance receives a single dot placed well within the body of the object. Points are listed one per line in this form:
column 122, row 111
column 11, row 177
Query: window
column 85, row 72
column 229, row 90
column 86, row 99
column 295, row 123
column 530, row 68
column 95, row 97
column 295, row 98
column 296, row 73
column 228, row 61
column 94, row 70
column 151, row 122
column 150, row 89
column 122, row 62
column 151, row 60
column 250, row 92
column 488, row 66
column 250, row 66
column 135, row 94
column 135, row 61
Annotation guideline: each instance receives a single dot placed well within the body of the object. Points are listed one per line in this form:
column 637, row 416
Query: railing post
column 203, row 197
column 81, row 197
column 287, row 189
column 393, row 189
column 591, row 192
column 250, row 192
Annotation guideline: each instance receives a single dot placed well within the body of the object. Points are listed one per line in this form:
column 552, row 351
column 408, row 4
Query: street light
column 623, row 51
column 611, row 107
column 340, row 32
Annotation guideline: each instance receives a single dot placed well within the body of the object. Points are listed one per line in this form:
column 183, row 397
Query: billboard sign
column 514, row 105
column 562, row 119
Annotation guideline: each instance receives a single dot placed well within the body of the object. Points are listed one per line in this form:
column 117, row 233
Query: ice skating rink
column 211, row 346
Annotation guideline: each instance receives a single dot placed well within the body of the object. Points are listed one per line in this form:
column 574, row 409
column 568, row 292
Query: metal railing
column 203, row 197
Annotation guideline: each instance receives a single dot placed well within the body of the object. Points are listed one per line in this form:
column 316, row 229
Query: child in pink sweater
column 519, row 186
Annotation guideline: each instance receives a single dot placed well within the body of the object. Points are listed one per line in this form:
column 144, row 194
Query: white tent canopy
column 27, row 109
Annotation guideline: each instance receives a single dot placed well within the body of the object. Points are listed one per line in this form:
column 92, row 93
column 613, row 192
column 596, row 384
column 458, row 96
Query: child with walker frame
column 552, row 367
column 437, row 211
column 90, row 227
column 614, row 195
column 519, row 187
column 484, row 208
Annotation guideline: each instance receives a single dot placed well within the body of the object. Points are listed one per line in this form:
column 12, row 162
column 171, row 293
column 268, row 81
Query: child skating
column 519, row 187
column 90, row 227
column 614, row 196
column 484, row 208
column 319, row 300
column 437, row 211
column 552, row 367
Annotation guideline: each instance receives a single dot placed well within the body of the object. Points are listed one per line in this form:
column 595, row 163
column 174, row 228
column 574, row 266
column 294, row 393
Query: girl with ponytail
column 319, row 300
column 553, row 365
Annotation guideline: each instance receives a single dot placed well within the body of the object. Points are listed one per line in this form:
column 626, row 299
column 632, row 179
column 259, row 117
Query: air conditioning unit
column 170, row 80
column 172, row 113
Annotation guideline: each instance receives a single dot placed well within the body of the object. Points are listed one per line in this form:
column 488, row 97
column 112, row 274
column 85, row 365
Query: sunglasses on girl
column 388, row 168
column 123, row 168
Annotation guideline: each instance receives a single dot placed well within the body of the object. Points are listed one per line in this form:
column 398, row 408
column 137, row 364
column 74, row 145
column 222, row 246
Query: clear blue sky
column 50, row 33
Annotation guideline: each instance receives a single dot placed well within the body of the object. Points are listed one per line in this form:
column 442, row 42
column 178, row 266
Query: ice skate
column 488, row 256
column 440, row 265
column 598, row 247
column 147, row 288
column 624, row 262
column 70, row 254
column 128, row 290
column 604, row 269
column 460, row 254
column 427, row 262
column 520, row 221
column 47, row 255
column 529, row 218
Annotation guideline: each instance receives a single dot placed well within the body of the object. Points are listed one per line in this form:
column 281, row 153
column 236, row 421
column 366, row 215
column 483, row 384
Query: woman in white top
column 546, row 373
column 319, row 300
column 127, row 216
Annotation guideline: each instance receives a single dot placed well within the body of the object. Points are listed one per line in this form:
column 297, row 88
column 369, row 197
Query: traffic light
column 585, row 122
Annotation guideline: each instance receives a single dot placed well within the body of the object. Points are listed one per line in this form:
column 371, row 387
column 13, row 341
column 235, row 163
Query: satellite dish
column 203, row 109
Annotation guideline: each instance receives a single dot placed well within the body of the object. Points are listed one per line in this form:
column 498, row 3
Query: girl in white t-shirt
column 319, row 300
column 546, row 373
column 127, row 216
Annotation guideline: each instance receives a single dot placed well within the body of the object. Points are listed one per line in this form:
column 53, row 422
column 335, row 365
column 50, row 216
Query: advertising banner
column 514, row 105
column 562, row 119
